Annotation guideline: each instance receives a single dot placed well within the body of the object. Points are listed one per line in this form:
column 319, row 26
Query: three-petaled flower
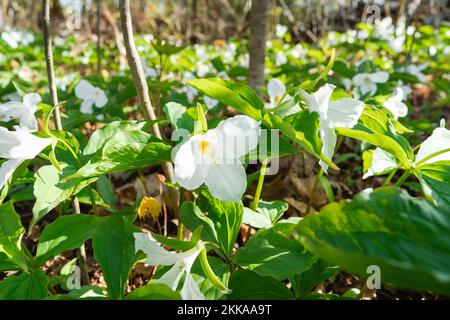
column 90, row 96
column 182, row 264
column 16, row 147
column 332, row 114
column 395, row 105
column 367, row 82
column 22, row 111
column 214, row 158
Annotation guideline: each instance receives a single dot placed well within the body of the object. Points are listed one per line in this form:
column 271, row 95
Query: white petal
column 190, row 168
column 311, row 103
column 395, row 105
column 31, row 100
column 329, row 143
column 29, row 146
column 227, row 182
column 86, row 106
column 173, row 276
column 379, row 77
column 236, row 137
column 322, row 97
column 344, row 113
column 84, row 90
column 438, row 141
column 8, row 140
column 157, row 255
column 7, row 170
column 368, row 87
column 190, row 290
column 11, row 110
column 382, row 162
column 360, row 78
column 276, row 88
column 29, row 123
column 101, row 99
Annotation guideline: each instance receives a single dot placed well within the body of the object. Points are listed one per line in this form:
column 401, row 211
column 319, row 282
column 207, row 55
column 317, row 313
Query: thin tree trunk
column 142, row 88
column 258, row 27
column 55, row 104
column 99, row 49
column 49, row 61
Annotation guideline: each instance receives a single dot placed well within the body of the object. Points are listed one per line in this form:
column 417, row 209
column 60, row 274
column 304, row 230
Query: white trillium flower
column 202, row 70
column 90, row 96
column 214, row 158
column 210, row 102
column 182, row 264
column 276, row 90
column 428, row 153
column 395, row 105
column 417, row 71
column 18, row 146
column 332, row 114
column 367, row 82
column 64, row 81
column 22, row 111
column 382, row 162
column 438, row 141
column 280, row 30
column 280, row 58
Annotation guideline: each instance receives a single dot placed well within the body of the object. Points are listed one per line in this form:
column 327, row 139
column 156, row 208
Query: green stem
column 260, row 184
column 180, row 230
column 389, row 178
column 210, row 273
column 94, row 204
column 403, row 178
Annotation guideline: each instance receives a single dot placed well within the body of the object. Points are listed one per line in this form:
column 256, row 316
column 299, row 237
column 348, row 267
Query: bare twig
column 54, row 99
column 99, row 49
column 142, row 87
column 49, row 61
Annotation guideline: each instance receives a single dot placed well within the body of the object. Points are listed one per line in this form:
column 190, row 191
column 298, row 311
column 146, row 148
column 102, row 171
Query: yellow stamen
column 277, row 99
column 204, row 145
column 149, row 207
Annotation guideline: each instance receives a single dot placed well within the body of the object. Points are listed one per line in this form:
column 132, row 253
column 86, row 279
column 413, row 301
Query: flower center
column 277, row 99
column 204, row 146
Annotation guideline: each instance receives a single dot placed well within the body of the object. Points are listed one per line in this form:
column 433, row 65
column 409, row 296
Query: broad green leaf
column 120, row 149
column 65, row 233
column 406, row 237
column 379, row 140
column 112, row 239
column 114, row 249
column 106, row 190
column 267, row 214
column 248, row 285
column 231, row 97
column 269, row 253
column 436, row 177
column 243, row 90
column 153, row 291
column 50, row 191
column 179, row 117
column 307, row 122
column 275, row 122
column 227, row 219
column 26, row 286
column 11, row 231
column 193, row 217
